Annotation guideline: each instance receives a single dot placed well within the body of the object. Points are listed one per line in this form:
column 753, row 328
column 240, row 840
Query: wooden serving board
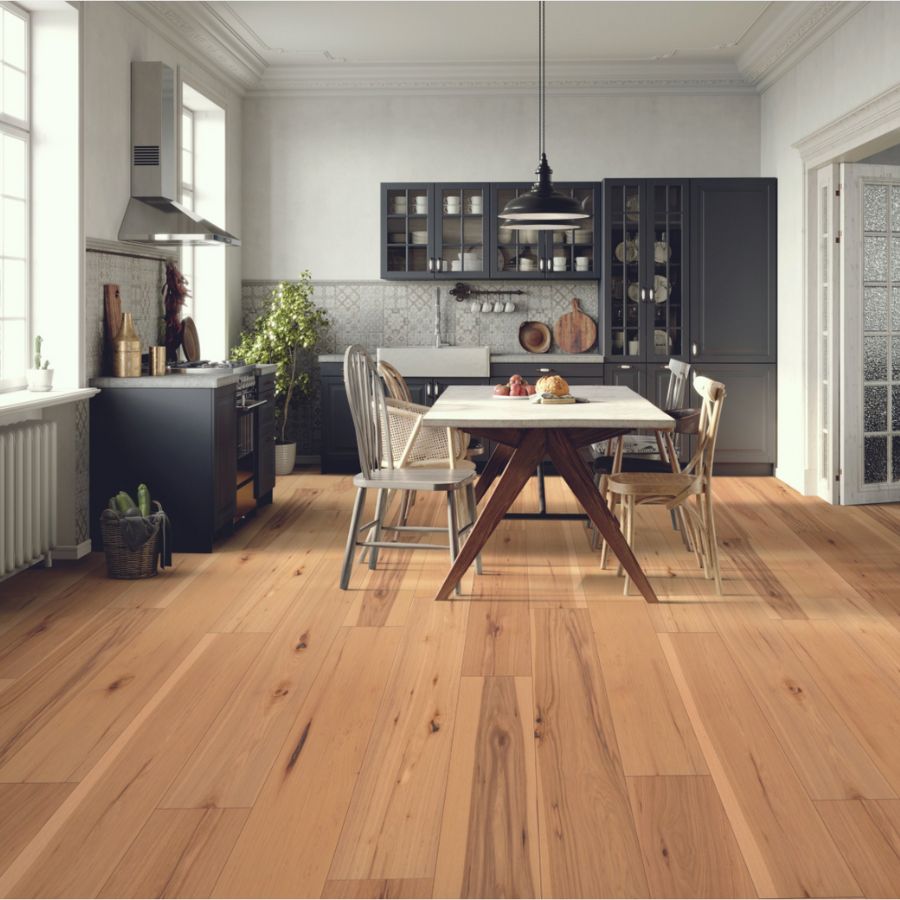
column 190, row 343
column 576, row 331
column 112, row 307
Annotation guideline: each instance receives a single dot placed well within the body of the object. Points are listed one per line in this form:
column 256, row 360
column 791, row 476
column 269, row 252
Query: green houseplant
column 290, row 325
column 40, row 376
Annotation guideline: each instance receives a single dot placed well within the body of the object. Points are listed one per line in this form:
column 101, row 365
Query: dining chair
column 674, row 490
column 391, row 441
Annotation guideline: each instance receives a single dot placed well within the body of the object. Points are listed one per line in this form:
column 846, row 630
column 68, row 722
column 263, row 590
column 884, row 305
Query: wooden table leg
column 571, row 466
column 493, row 467
column 515, row 476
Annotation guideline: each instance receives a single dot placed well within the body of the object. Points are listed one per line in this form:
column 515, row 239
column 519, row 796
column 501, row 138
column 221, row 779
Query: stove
column 214, row 367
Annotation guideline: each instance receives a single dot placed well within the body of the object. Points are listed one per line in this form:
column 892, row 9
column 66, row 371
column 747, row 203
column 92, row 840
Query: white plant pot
column 285, row 458
column 39, row 379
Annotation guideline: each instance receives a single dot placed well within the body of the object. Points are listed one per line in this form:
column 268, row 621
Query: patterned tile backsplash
column 388, row 314
column 140, row 284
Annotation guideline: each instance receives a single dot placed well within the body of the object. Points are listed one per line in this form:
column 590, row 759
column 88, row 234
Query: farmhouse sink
column 434, row 362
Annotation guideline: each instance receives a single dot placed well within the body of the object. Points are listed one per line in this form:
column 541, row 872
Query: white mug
column 559, row 263
column 633, row 348
column 486, row 306
column 421, row 204
column 453, row 203
column 474, row 307
column 475, row 205
column 509, row 307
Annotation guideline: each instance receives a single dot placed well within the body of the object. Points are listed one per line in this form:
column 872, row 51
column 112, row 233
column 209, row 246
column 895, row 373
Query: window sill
column 13, row 403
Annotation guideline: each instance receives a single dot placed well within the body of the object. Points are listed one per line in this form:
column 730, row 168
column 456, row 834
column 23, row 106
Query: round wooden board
column 190, row 343
column 576, row 331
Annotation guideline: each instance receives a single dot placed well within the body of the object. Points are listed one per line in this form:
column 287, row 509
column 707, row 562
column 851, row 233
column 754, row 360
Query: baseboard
column 72, row 552
column 309, row 459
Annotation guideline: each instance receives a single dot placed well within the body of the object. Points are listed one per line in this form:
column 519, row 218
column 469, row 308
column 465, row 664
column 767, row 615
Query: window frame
column 188, row 252
column 21, row 130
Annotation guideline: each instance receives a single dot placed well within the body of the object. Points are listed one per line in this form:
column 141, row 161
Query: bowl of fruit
column 517, row 388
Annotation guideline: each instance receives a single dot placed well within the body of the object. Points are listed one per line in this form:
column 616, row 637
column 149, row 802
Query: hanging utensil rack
column 464, row 291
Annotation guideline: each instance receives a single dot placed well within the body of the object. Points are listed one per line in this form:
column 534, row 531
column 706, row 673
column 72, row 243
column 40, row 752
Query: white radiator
column 27, row 495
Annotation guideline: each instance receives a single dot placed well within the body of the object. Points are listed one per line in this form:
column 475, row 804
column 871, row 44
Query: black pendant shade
column 543, row 207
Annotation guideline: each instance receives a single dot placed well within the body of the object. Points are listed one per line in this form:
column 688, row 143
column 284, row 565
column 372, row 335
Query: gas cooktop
column 214, row 367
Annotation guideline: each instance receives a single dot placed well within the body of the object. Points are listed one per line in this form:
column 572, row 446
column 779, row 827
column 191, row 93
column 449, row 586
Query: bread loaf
column 552, row 384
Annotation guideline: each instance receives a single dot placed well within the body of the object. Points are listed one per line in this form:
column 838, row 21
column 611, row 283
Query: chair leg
column 453, row 532
column 379, row 518
column 712, row 541
column 473, row 515
column 409, row 498
column 542, row 491
column 351, row 538
column 629, row 534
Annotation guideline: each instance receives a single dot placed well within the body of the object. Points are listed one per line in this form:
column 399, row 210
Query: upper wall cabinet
column 435, row 231
column 646, row 264
column 560, row 255
column 733, row 270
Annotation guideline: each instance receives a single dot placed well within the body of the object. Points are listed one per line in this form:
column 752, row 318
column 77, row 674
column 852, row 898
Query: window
column 14, row 159
column 188, row 197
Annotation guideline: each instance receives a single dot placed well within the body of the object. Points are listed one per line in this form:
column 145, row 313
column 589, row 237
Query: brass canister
column 127, row 350
column 157, row 360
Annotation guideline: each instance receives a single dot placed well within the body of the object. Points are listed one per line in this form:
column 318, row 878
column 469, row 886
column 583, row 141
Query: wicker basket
column 122, row 562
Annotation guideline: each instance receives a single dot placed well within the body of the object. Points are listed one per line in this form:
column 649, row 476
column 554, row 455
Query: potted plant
column 291, row 324
column 40, row 378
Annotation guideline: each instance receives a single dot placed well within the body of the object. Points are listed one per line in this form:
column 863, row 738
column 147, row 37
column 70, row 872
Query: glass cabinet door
column 461, row 238
column 516, row 253
column 406, row 211
column 570, row 254
column 667, row 269
column 623, row 209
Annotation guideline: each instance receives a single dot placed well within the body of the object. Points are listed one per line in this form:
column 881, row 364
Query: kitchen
column 520, row 719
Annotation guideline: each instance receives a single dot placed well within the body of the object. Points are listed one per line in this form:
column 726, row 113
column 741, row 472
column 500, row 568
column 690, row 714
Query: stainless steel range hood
column 153, row 215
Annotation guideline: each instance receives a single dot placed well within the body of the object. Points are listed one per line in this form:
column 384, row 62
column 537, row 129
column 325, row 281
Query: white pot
column 39, row 379
column 285, row 458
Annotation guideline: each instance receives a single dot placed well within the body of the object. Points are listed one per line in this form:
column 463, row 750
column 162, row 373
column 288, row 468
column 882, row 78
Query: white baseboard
column 72, row 552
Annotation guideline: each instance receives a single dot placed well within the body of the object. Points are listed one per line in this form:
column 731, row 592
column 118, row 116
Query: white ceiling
column 298, row 32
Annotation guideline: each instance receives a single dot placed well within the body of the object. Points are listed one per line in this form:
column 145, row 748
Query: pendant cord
column 542, row 101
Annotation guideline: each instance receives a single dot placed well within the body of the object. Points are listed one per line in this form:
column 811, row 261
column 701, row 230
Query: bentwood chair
column 674, row 490
column 390, row 437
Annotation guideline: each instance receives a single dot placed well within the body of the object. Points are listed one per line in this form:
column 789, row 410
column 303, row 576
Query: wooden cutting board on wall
column 575, row 331
column 112, row 309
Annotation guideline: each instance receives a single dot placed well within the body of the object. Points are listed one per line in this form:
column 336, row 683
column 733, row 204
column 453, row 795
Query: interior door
column 870, row 334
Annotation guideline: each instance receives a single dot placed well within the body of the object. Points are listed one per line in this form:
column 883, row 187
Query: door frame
column 870, row 127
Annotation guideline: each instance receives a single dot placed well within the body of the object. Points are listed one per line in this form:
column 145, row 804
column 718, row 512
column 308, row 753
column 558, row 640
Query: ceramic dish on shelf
column 420, row 237
column 634, row 292
column 662, row 342
column 661, row 288
column 662, row 252
column 627, row 252
column 534, row 337
column 398, row 237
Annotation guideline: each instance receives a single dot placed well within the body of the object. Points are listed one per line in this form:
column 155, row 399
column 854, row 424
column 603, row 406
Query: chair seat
column 416, row 479
column 653, row 484
column 604, row 464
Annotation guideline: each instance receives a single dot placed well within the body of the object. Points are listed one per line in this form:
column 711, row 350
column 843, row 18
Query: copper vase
column 127, row 350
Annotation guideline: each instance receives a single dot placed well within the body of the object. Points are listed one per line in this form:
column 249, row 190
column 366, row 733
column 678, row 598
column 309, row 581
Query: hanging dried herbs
column 175, row 292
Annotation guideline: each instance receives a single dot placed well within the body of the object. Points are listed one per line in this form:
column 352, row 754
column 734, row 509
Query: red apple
column 529, row 389
column 502, row 390
column 517, row 390
column 516, row 379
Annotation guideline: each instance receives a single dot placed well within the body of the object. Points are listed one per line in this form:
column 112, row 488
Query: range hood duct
column 153, row 215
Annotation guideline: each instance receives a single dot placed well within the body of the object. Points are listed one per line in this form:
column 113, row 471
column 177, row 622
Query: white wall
column 312, row 166
column 856, row 63
column 113, row 37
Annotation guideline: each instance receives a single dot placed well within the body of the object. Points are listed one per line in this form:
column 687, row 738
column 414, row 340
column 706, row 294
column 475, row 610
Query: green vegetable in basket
column 144, row 499
column 113, row 505
column 125, row 502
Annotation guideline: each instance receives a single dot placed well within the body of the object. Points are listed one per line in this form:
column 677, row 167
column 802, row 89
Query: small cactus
column 37, row 354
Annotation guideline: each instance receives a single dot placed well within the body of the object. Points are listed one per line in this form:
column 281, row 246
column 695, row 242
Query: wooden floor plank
column 81, row 855
column 24, row 809
column 873, row 861
column 581, row 785
column 393, row 824
column 384, row 889
column 799, row 856
column 179, row 853
column 290, row 836
column 654, row 733
column 489, row 833
column 688, row 845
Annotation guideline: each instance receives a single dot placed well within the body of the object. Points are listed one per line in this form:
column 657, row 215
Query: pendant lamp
column 542, row 207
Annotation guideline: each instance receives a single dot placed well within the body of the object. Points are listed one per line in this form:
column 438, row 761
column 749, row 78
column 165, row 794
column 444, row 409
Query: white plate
column 627, row 251
column 633, row 292
column 661, row 288
column 661, row 252
column 508, row 397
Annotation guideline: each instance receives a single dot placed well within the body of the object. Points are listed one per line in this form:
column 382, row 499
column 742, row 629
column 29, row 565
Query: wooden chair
column 390, row 438
column 674, row 490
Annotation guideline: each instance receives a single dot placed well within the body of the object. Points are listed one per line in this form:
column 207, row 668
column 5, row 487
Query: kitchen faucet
column 437, row 317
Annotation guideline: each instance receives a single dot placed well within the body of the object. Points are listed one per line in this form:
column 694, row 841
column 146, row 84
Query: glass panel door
column 516, row 252
column 624, row 201
column 666, row 261
column 407, row 230
column 571, row 253
column 461, row 240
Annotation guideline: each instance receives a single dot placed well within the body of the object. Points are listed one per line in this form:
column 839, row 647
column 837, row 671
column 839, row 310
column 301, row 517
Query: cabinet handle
column 651, row 295
column 430, row 265
column 695, row 349
column 427, row 388
column 625, row 367
column 643, row 295
column 543, row 370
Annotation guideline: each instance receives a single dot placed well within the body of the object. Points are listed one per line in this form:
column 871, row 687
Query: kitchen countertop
column 550, row 358
column 178, row 379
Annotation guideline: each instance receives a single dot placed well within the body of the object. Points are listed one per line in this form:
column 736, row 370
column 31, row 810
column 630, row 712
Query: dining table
column 525, row 432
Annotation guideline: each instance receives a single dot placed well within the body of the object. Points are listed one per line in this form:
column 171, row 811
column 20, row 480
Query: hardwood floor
column 240, row 727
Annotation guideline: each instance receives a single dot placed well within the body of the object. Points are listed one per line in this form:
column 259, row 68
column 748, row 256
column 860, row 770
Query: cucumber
column 125, row 502
column 129, row 513
column 143, row 493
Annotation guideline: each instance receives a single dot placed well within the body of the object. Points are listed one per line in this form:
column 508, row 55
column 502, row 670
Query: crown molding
column 206, row 36
column 657, row 76
column 793, row 32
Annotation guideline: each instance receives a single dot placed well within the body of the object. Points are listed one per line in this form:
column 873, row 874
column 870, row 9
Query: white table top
column 608, row 406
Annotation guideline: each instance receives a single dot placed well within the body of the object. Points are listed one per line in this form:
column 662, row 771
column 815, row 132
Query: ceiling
column 488, row 31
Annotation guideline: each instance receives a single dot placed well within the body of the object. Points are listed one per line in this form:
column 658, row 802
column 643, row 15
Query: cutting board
column 112, row 308
column 190, row 343
column 576, row 331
